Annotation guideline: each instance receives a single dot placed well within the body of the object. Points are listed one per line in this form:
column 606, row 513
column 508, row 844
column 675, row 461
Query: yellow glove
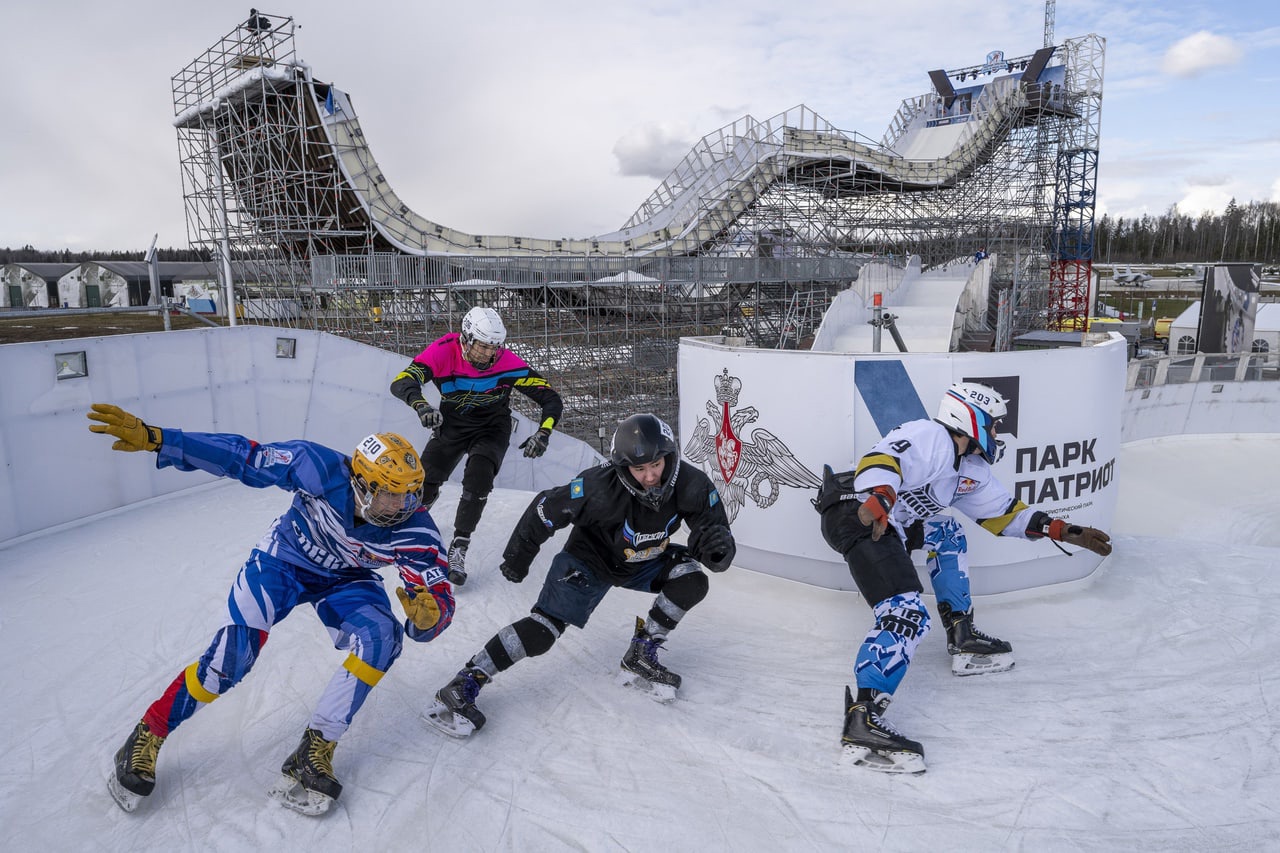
column 421, row 608
column 132, row 432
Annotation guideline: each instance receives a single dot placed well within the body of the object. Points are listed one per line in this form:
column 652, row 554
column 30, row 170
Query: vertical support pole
column 224, row 224
column 877, row 321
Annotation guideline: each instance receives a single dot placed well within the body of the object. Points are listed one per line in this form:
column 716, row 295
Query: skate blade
column 966, row 664
column 884, row 762
column 290, row 793
column 446, row 722
column 663, row 693
column 124, row 798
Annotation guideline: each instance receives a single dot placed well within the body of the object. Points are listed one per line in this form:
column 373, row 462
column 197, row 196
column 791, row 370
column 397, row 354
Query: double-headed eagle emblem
column 755, row 469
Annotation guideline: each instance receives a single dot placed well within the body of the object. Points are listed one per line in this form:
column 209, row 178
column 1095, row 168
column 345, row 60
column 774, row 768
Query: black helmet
column 639, row 440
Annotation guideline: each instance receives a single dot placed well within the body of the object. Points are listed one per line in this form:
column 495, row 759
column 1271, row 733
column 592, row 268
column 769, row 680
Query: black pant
column 881, row 568
column 484, row 448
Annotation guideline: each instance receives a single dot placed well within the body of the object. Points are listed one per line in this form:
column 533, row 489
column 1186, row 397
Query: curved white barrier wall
column 789, row 412
column 1201, row 408
column 333, row 391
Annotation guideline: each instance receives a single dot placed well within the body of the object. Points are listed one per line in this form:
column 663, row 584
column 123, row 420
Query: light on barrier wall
column 70, row 365
column 286, row 347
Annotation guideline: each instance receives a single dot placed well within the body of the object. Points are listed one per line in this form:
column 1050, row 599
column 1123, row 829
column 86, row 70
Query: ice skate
column 871, row 743
column 458, row 560
column 973, row 652
column 135, row 768
column 640, row 668
column 307, row 783
column 454, row 711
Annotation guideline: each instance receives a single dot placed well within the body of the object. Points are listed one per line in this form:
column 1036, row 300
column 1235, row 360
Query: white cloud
column 652, row 149
column 1201, row 52
column 1205, row 199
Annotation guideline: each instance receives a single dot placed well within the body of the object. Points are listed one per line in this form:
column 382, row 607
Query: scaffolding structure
column 751, row 236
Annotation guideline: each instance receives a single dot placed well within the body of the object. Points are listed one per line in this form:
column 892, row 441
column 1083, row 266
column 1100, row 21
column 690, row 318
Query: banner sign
column 762, row 423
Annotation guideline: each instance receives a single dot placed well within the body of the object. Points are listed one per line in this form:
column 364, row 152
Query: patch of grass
column 17, row 329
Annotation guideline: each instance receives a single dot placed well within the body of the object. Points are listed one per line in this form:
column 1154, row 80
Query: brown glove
column 133, row 433
column 421, row 608
column 1092, row 538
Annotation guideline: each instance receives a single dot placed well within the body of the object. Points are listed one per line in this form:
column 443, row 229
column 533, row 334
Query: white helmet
column 482, row 326
column 973, row 409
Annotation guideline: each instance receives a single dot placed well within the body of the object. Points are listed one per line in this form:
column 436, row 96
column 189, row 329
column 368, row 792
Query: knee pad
column 886, row 652
column 683, row 589
column 531, row 636
column 686, row 586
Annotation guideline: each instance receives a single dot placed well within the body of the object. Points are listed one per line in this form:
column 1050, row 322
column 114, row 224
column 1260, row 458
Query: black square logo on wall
column 1008, row 388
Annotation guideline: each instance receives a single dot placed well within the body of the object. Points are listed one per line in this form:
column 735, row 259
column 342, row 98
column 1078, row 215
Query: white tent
column 1266, row 330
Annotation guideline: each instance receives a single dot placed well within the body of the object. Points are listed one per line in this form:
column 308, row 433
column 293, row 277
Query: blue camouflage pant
column 947, row 558
column 355, row 611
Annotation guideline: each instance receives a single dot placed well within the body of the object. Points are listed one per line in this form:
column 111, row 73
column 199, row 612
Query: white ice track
column 709, row 189
column 1141, row 715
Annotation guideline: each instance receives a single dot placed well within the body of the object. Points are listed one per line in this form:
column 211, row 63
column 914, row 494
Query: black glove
column 713, row 546
column 430, row 417
column 536, row 444
column 512, row 572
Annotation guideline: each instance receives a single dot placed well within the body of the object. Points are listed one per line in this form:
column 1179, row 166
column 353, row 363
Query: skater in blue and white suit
column 350, row 516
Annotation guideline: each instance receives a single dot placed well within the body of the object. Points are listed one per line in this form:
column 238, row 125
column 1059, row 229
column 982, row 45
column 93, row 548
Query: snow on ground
column 1142, row 714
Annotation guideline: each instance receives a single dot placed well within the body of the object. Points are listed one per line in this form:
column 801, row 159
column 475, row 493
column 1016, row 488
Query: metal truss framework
column 790, row 204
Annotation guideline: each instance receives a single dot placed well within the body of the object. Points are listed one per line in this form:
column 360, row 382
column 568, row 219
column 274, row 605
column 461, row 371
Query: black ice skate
column 307, row 783
column 973, row 652
column 458, row 560
column 135, row 768
column 454, row 711
column 870, row 742
column 640, row 667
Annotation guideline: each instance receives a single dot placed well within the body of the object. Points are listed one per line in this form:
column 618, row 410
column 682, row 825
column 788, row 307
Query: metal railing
column 1203, row 367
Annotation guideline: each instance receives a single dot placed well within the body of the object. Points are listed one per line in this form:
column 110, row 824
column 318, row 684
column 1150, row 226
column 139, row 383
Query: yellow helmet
column 387, row 477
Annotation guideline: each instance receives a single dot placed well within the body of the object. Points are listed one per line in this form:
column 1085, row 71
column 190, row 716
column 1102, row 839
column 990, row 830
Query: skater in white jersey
column 901, row 488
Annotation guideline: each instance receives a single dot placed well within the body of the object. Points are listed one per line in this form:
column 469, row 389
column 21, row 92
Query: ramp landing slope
column 936, row 141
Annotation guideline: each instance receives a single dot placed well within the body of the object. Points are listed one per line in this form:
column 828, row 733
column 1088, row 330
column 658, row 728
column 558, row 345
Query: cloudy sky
column 557, row 119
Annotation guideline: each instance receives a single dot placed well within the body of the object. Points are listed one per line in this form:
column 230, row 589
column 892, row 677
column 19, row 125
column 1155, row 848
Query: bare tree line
column 1249, row 232
column 30, row 255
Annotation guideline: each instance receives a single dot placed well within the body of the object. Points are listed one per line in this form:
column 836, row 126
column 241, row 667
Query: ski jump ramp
column 704, row 193
column 936, row 142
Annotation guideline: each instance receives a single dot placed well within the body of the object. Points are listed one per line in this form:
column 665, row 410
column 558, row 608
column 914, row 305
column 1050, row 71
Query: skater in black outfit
column 623, row 513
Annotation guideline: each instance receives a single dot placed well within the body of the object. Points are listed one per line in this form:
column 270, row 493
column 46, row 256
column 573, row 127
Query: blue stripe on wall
column 887, row 391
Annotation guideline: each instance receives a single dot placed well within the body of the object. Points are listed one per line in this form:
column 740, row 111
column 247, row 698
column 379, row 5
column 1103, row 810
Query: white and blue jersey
column 316, row 553
column 319, row 533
